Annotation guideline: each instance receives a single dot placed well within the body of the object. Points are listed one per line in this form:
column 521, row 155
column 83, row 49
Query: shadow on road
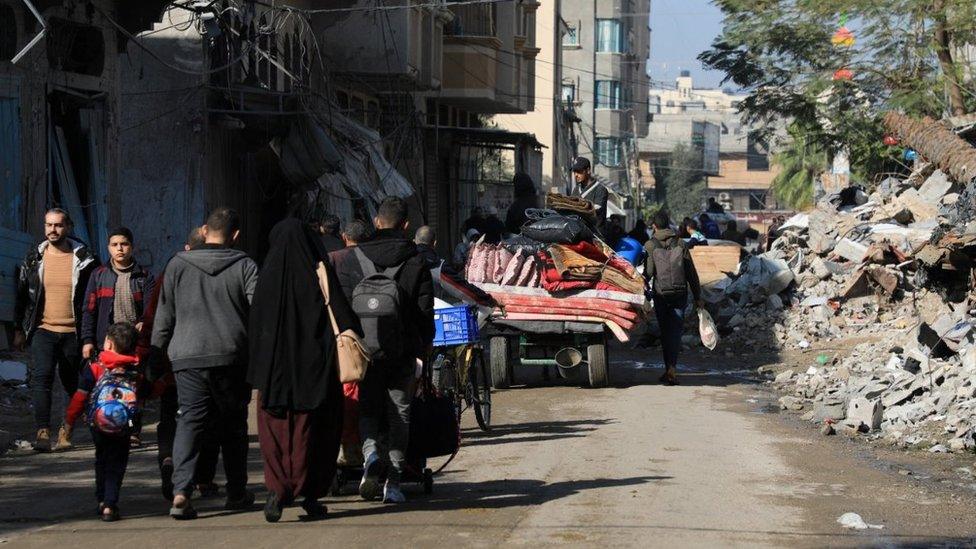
column 498, row 494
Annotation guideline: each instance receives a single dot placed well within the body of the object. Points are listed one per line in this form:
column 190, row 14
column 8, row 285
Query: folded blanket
column 553, row 281
column 514, row 268
column 614, row 277
column 530, row 275
column 589, row 250
column 570, row 204
column 573, row 266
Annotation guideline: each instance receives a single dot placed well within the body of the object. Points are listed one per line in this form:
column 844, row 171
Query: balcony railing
column 472, row 20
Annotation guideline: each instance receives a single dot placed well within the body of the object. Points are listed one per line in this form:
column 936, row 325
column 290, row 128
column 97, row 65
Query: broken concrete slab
column 935, row 187
column 834, row 411
column 864, row 412
column 850, row 250
column 790, row 403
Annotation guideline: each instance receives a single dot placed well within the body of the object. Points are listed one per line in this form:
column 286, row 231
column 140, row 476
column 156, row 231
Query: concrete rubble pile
column 887, row 275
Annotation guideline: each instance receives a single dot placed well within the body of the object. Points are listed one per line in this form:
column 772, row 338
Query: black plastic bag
column 558, row 229
column 434, row 428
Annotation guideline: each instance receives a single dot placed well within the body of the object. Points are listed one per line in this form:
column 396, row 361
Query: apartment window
column 757, row 155
column 609, row 36
column 568, row 93
column 571, row 38
column 608, row 151
column 757, row 201
column 607, row 94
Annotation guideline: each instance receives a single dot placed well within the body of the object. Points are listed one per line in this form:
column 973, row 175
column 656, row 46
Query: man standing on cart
column 598, row 196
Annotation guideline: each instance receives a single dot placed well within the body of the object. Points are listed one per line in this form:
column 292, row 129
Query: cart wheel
column 428, row 482
column 480, row 389
column 500, row 375
column 598, row 365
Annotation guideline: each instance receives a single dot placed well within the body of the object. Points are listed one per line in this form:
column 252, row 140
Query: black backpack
column 669, row 269
column 377, row 301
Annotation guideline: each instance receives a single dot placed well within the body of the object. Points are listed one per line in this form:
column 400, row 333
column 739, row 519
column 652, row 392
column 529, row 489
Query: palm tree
column 801, row 163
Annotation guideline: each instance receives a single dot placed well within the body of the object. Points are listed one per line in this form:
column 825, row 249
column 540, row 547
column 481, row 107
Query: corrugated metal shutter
column 13, row 242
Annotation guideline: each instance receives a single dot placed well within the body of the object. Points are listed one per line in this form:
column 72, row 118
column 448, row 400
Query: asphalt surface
column 638, row 464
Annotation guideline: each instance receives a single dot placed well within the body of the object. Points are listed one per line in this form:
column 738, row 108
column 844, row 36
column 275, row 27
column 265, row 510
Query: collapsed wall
column 887, row 276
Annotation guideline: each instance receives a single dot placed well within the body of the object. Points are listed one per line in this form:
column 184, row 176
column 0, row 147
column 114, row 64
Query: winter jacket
column 202, row 316
column 97, row 315
column 429, row 255
column 666, row 238
column 387, row 249
column 29, row 304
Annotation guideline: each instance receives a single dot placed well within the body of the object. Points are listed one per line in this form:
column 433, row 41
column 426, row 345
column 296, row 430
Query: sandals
column 112, row 515
column 182, row 509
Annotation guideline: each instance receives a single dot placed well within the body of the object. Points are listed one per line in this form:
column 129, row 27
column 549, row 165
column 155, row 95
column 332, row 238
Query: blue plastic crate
column 455, row 326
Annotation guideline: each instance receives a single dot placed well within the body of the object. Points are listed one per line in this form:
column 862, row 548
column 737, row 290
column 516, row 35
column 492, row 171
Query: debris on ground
column 879, row 284
column 855, row 522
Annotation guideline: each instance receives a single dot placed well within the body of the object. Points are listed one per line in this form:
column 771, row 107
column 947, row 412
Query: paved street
column 635, row 465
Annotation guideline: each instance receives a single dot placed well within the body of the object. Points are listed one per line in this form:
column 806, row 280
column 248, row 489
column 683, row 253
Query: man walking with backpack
column 393, row 297
column 671, row 272
column 201, row 324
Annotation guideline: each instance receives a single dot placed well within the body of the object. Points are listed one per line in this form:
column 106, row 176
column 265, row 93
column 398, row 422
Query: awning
column 366, row 176
column 488, row 136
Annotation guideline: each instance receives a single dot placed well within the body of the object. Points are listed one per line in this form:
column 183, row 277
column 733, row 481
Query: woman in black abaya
column 293, row 366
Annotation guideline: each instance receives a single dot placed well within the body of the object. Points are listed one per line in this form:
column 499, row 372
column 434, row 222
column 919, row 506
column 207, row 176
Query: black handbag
column 558, row 229
column 434, row 427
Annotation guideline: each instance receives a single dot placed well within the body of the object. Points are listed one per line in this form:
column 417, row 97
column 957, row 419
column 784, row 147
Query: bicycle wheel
column 479, row 386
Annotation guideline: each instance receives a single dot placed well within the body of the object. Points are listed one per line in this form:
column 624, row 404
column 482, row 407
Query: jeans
column 670, row 312
column 166, row 433
column 111, row 460
column 385, row 394
column 50, row 351
column 211, row 396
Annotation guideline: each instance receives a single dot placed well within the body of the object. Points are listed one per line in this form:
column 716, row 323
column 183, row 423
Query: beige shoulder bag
column 352, row 354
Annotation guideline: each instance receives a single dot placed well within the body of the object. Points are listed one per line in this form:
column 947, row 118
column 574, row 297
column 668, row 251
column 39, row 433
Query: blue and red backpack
column 113, row 408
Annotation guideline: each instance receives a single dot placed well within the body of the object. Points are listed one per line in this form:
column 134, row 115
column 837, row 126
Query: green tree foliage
column 682, row 181
column 800, row 162
column 903, row 58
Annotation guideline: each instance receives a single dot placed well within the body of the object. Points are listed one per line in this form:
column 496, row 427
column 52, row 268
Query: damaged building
column 148, row 114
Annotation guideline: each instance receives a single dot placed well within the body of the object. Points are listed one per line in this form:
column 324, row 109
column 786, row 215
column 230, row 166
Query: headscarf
column 292, row 345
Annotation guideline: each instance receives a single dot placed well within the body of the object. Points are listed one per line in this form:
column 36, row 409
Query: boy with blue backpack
column 107, row 394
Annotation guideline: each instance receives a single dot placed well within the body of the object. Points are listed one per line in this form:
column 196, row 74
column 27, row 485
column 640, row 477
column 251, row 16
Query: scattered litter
column 855, row 522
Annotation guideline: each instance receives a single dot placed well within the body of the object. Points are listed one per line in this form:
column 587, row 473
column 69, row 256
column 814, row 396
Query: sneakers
column 64, row 439
column 182, row 509
column 369, row 487
column 392, row 493
column 43, row 441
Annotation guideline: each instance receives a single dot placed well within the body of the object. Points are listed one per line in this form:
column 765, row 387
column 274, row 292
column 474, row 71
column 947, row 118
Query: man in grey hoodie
column 201, row 324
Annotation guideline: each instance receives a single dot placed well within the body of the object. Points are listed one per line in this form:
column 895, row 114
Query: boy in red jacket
column 111, row 450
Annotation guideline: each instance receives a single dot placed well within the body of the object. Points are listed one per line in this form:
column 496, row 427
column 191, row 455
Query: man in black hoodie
column 201, row 324
column 671, row 271
column 388, row 388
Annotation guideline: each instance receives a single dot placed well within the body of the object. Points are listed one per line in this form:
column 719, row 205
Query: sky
column 680, row 30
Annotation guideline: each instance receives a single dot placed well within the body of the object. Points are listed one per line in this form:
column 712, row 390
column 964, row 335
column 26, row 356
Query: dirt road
column 635, row 465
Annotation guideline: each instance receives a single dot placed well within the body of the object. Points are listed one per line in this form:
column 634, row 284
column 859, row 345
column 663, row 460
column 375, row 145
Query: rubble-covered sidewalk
column 893, row 269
